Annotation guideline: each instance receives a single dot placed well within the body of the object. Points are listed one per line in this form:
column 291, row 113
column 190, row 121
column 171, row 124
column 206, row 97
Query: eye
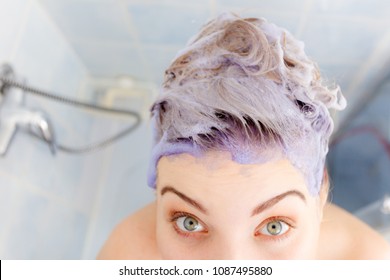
column 189, row 224
column 275, row 228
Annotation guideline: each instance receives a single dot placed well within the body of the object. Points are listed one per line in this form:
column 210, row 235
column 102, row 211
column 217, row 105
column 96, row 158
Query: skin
column 215, row 208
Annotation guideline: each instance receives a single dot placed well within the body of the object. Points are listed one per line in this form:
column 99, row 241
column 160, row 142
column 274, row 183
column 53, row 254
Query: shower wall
column 45, row 200
column 63, row 206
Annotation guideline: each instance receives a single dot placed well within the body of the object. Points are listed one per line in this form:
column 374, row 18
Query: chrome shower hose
column 7, row 82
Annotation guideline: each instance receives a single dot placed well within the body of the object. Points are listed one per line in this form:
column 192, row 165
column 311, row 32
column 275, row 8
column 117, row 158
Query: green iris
column 274, row 227
column 190, row 224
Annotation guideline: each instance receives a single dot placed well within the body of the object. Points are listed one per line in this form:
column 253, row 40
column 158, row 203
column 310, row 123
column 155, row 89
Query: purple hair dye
column 245, row 86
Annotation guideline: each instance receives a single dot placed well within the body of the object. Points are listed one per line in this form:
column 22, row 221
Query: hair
column 245, row 86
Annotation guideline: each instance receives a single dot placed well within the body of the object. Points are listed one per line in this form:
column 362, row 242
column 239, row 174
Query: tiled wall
column 45, row 200
column 44, row 206
column 360, row 161
column 62, row 206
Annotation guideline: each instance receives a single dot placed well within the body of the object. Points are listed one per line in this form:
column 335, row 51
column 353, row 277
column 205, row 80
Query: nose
column 237, row 249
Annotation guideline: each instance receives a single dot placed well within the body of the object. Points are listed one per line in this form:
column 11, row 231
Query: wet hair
column 245, row 86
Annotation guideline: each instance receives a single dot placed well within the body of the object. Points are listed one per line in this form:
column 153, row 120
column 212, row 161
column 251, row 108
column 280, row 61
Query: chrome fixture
column 14, row 115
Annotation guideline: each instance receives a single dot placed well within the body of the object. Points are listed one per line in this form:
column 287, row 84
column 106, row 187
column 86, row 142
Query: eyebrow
column 271, row 202
column 258, row 209
column 185, row 198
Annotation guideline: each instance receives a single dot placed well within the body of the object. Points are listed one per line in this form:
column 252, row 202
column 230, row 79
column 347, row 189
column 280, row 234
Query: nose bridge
column 230, row 247
column 232, row 239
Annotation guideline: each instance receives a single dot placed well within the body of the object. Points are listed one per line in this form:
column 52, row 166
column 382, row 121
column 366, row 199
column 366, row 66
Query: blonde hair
column 246, row 86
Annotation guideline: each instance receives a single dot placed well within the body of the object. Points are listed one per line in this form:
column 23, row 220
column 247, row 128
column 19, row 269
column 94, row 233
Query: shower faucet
column 14, row 115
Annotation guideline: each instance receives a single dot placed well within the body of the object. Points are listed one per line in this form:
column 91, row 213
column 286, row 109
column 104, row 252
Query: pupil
column 190, row 224
column 274, row 228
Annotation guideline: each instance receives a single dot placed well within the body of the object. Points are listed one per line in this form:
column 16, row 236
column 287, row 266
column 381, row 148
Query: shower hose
column 8, row 82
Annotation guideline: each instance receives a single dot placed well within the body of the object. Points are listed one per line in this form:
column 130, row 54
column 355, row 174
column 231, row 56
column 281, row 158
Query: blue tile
column 125, row 189
column 376, row 9
column 355, row 170
column 58, row 175
column 11, row 13
column 17, row 158
column 68, row 74
column 339, row 74
column 98, row 21
column 158, row 60
column 7, row 196
column 47, row 62
column 334, row 41
column 125, row 193
column 40, row 51
column 111, row 60
column 281, row 6
column 359, row 162
column 44, row 229
column 164, row 24
column 289, row 22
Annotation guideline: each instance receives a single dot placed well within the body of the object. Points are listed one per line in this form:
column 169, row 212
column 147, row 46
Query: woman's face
column 214, row 208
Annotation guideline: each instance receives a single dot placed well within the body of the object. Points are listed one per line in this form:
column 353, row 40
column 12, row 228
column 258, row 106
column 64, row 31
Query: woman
column 241, row 135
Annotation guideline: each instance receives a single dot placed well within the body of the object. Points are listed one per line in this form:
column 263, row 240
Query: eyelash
column 175, row 215
column 277, row 238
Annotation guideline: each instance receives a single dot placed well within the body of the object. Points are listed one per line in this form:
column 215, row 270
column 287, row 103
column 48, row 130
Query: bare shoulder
column 343, row 236
column 134, row 237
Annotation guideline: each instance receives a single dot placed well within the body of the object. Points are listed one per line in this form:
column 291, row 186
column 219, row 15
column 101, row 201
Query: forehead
column 217, row 169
